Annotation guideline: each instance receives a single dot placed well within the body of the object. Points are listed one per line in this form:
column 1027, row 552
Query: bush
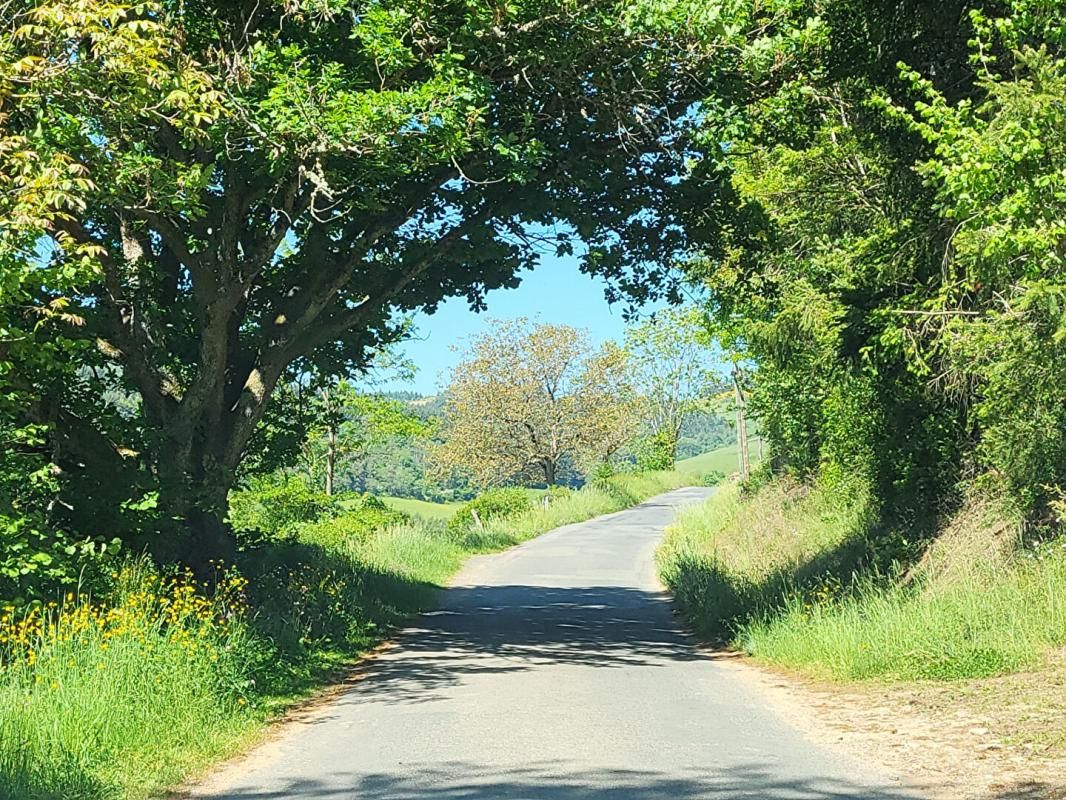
column 494, row 503
column 656, row 453
column 36, row 562
column 273, row 509
column 365, row 516
column 712, row 478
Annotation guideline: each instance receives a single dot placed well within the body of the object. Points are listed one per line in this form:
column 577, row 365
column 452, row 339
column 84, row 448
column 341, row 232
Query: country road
column 554, row 671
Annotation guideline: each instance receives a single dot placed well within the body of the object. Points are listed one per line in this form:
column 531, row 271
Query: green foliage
column 677, row 371
column 426, row 509
column 201, row 203
column 656, row 452
column 713, row 478
column 885, row 248
column 702, row 432
column 273, row 507
column 348, row 427
column 491, row 504
column 360, row 519
column 38, row 559
column 37, row 562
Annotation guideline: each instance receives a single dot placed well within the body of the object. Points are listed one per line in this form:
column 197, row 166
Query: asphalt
column 554, row 671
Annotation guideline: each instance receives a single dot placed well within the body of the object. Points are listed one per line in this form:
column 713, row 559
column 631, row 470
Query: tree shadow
column 61, row 779
column 319, row 610
column 554, row 781
column 717, row 603
column 514, row 628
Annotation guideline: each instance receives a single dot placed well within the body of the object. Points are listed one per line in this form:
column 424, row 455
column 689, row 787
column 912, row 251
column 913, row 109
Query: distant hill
column 722, row 459
column 702, row 433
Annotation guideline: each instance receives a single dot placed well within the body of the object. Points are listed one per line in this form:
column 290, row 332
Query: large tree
column 195, row 196
column 530, row 400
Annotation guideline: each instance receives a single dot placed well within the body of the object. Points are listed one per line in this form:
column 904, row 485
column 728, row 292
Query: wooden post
column 477, row 519
column 331, row 457
column 742, row 429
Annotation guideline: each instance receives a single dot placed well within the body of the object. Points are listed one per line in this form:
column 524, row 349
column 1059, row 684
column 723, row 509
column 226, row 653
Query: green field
column 422, row 508
column 724, row 459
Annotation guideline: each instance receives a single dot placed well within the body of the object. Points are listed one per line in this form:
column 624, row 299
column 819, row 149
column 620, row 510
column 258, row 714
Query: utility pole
column 742, row 428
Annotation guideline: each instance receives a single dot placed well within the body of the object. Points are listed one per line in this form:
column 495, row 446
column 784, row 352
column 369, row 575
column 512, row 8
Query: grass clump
column 785, row 576
column 495, row 503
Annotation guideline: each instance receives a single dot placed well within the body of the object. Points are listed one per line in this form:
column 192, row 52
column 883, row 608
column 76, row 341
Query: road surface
column 554, row 671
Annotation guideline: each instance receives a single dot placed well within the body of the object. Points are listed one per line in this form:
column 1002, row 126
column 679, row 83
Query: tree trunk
column 331, row 458
column 549, row 473
column 194, row 487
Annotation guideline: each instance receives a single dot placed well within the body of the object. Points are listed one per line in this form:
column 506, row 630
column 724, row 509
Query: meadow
column 722, row 459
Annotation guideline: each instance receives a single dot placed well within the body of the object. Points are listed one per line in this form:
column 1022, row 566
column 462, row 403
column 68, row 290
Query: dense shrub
column 492, row 504
column 272, row 508
column 656, row 452
column 712, row 478
column 361, row 517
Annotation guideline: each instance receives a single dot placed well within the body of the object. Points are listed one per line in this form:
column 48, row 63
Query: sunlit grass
column 774, row 574
column 116, row 700
column 422, row 508
column 972, row 627
column 604, row 497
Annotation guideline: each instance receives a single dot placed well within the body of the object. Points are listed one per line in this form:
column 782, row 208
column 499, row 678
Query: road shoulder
column 996, row 739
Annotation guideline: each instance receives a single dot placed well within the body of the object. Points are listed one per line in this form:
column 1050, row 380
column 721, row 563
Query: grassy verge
column 780, row 575
column 120, row 697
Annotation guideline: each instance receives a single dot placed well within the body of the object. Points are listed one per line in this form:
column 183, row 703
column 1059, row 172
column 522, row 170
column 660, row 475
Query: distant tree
column 529, row 399
column 704, row 431
column 349, row 426
column 612, row 411
column 677, row 371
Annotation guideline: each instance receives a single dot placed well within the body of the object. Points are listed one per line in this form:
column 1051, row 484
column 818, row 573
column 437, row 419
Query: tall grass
column 730, row 559
column 777, row 575
column 117, row 700
column 117, row 697
column 972, row 627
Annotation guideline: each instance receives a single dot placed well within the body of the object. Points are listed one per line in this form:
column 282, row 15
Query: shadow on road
column 463, row 781
column 504, row 629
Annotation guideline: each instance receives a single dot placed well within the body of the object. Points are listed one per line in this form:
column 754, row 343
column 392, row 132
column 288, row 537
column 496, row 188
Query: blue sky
column 555, row 291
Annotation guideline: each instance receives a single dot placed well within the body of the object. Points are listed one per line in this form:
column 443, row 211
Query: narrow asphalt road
column 554, row 671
